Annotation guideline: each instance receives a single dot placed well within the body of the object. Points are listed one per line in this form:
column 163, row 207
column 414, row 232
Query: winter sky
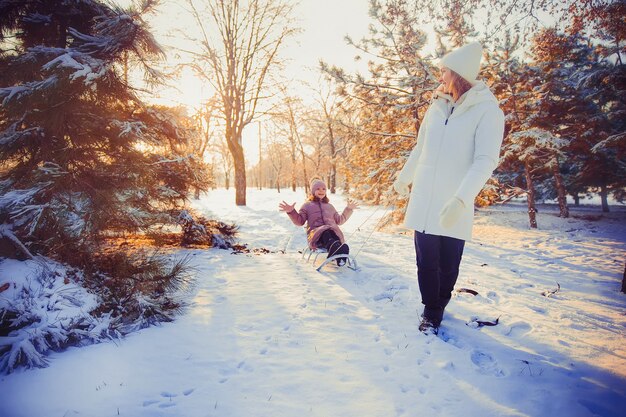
column 323, row 23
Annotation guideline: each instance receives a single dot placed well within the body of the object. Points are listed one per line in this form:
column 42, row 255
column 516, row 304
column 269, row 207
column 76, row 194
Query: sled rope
column 378, row 223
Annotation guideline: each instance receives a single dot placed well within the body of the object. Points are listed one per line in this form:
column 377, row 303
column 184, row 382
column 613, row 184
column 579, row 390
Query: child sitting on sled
column 322, row 221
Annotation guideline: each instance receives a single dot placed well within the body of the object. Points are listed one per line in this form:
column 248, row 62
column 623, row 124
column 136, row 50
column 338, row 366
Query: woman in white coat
column 457, row 149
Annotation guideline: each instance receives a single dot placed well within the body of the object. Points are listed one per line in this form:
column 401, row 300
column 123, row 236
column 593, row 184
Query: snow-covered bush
column 44, row 308
column 202, row 231
column 138, row 290
column 47, row 306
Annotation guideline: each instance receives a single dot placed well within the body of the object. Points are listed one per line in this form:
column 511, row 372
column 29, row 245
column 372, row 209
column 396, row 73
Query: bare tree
column 275, row 154
column 237, row 64
column 330, row 109
column 205, row 120
column 287, row 119
column 225, row 158
column 282, row 129
column 293, row 108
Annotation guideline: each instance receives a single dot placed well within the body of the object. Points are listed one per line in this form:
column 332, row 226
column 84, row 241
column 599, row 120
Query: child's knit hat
column 317, row 183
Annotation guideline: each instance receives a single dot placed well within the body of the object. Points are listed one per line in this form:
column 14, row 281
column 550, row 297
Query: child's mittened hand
column 451, row 212
column 287, row 208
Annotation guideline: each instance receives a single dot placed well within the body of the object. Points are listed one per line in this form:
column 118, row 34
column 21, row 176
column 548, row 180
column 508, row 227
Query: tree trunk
column 576, row 198
column 306, row 176
column 293, row 164
column 604, row 194
column 233, row 140
column 560, row 189
column 260, row 160
column 333, row 159
column 530, row 193
column 240, row 178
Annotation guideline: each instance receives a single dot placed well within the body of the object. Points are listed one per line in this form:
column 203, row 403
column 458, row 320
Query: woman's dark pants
column 438, row 260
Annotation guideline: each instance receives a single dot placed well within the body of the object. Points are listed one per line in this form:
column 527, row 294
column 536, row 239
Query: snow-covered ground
column 267, row 335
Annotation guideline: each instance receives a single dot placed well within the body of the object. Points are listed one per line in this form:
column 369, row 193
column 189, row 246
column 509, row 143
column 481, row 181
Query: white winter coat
column 457, row 150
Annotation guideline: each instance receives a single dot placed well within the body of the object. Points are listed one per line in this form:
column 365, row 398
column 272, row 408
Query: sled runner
column 314, row 253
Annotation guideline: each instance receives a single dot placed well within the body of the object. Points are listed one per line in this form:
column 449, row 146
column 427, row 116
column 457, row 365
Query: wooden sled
column 310, row 253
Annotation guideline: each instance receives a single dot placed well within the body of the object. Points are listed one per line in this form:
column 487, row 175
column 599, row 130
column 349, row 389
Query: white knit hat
column 465, row 61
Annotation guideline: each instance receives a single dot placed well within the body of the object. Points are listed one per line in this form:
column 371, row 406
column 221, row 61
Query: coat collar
column 479, row 93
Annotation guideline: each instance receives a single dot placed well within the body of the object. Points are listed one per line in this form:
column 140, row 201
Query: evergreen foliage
column 562, row 91
column 390, row 102
column 83, row 159
column 82, row 155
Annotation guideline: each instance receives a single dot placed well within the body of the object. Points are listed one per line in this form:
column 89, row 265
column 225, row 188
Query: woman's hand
column 441, row 88
column 451, row 212
column 401, row 188
column 283, row 206
column 352, row 204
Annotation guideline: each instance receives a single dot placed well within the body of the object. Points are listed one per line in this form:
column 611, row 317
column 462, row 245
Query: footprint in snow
column 386, row 296
column 486, row 364
column 517, row 329
column 170, row 396
column 492, row 295
column 449, row 338
column 397, row 287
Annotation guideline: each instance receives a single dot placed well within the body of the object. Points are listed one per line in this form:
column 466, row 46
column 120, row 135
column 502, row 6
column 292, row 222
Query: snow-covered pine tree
column 553, row 104
column 522, row 143
column 390, row 100
column 83, row 158
column 584, row 105
column 82, row 155
column 601, row 77
column 504, row 71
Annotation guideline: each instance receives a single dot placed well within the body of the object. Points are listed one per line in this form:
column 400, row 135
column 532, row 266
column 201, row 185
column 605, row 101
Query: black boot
column 428, row 327
column 338, row 248
column 431, row 320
